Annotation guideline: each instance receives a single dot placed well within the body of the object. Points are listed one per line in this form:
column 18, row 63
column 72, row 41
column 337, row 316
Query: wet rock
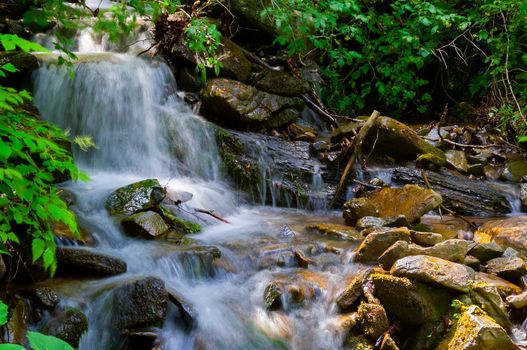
column 336, row 230
column 280, row 83
column 82, row 262
column 486, row 251
column 287, row 292
column 272, row 296
column 351, row 293
column 411, row 201
column 514, row 170
column 69, row 326
column 509, row 232
column 178, row 224
column 282, row 255
column 448, row 227
column 492, row 172
column 354, row 341
column 504, row 287
column 433, row 270
column 248, row 12
column 412, row 302
column 196, row 260
column 147, row 224
column 452, row 250
column 473, row 262
column 378, row 241
column 25, row 62
column 186, row 311
column 476, row 330
column 518, row 301
column 488, row 298
column 347, row 130
column 456, row 160
column 18, row 323
column 476, row 169
column 44, row 298
column 372, row 320
column 139, row 196
column 508, row 268
column 459, row 193
column 372, row 222
column 426, row 238
column 236, row 104
column 388, row 132
column 388, row 343
column 140, row 303
column 523, row 196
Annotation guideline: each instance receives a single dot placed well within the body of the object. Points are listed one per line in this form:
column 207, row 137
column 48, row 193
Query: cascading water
column 142, row 129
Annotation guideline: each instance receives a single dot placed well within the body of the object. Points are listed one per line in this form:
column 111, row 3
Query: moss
column 179, row 225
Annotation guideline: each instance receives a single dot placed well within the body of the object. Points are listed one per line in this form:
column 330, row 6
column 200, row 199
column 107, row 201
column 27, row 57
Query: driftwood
column 332, row 120
column 211, row 213
column 356, row 149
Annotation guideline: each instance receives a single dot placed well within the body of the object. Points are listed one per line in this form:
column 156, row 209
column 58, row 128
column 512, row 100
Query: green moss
column 179, row 225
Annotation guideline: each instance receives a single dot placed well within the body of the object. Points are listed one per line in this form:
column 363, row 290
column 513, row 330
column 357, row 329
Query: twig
column 255, row 59
column 462, row 144
column 365, row 184
column 211, row 213
column 313, row 105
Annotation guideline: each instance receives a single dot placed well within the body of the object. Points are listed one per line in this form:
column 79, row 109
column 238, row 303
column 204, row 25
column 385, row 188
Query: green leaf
column 9, row 67
column 5, row 151
column 11, row 347
column 3, row 313
column 522, row 138
column 39, row 341
column 37, row 248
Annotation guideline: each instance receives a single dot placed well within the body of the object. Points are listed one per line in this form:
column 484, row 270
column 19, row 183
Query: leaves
column 39, row 341
column 3, row 313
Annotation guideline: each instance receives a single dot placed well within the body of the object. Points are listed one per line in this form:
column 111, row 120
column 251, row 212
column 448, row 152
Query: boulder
column 509, row 268
column 196, row 260
column 412, row 302
column 505, row 288
column 280, row 83
column 426, row 238
column 351, row 293
column 147, row 224
column 518, row 301
column 233, row 103
column 177, row 224
column 372, row 320
column 43, row 298
column 18, row 322
column 139, row 196
column 486, row 251
column 336, row 230
column 435, row 271
column 140, row 303
column 187, row 313
column 456, row 160
column 488, row 298
column 411, row 201
column 69, row 326
column 287, row 292
column 453, row 250
column 475, row 330
column 368, row 222
column 388, row 132
column 378, row 241
column 514, row 170
column 459, row 193
column 83, row 262
column 523, row 196
column 509, row 232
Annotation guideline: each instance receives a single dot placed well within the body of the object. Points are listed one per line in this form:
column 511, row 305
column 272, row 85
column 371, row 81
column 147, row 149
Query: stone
column 435, row 271
column 411, row 201
column 187, row 313
column 492, row 172
column 514, row 170
column 358, row 342
column 388, row 132
column 83, row 262
column 140, row 303
column 3, row 268
column 378, row 241
column 476, row 169
column 139, row 196
column 368, row 222
column 280, row 83
column 472, row 262
column 426, row 238
column 178, row 224
column 351, row 293
column 347, row 130
column 518, row 301
column 372, row 320
column 510, row 232
column 412, row 302
column 475, row 330
column 44, row 298
column 456, row 160
column 69, row 326
column 197, row 259
column 452, row 250
column 147, row 224
column 486, row 251
column 508, row 268
column 487, row 297
column 286, row 292
column 505, row 288
column 523, row 196
column 336, row 230
column 25, row 62
column 18, row 321
column 235, row 104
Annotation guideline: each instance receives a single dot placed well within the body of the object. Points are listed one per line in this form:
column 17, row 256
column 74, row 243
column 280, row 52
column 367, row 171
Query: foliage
column 204, row 39
column 32, row 154
column 389, row 52
column 38, row 341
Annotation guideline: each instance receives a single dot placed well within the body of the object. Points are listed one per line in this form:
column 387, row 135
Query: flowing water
column 143, row 130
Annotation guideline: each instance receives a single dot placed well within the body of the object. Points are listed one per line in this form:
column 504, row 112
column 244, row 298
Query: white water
column 142, row 130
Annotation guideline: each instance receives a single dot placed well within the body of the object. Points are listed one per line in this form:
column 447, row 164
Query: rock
column 272, row 296
column 492, row 172
column 426, row 238
column 388, row 343
column 476, row 169
column 508, row 268
column 514, row 170
column 412, row 302
column 475, row 330
column 433, row 270
column 139, row 196
column 140, row 303
column 523, row 196
column 486, row 251
column 488, row 298
column 68, row 326
column 372, row 320
column 82, row 262
column 25, row 62
column 452, row 250
column 178, row 224
column 44, row 298
column 3, row 269
column 448, row 227
column 459, row 193
column 351, row 294
column 372, row 222
column 287, row 292
column 518, row 301
column 147, row 224
column 509, row 232
column 411, row 201
column 457, row 160
column 359, row 342
column 473, row 262
column 233, row 103
column 378, row 241
column 280, row 83
column 504, row 287
column 248, row 12
column 186, row 311
column 187, row 80
column 18, row 322
column 336, row 230
column 388, row 132
column 282, row 255
column 197, row 260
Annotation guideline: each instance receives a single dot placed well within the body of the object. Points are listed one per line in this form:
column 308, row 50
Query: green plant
column 38, row 341
column 203, row 38
column 32, row 154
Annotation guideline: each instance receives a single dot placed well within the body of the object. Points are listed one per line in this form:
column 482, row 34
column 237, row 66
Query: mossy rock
column 179, row 225
column 139, row 196
column 68, row 326
column 147, row 224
